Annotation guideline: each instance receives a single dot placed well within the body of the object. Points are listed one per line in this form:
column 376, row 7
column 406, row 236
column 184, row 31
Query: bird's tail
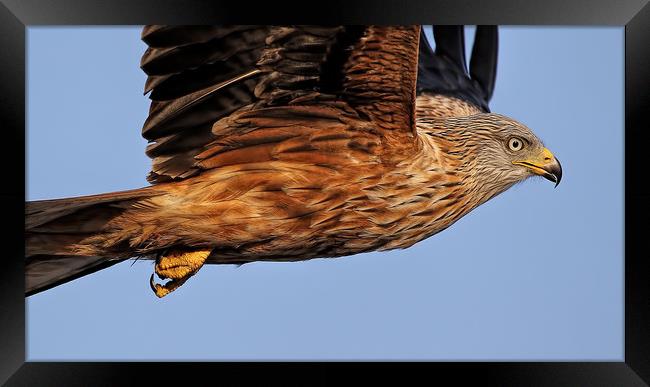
column 55, row 228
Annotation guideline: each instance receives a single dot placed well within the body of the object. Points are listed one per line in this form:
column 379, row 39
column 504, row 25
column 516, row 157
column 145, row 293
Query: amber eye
column 515, row 144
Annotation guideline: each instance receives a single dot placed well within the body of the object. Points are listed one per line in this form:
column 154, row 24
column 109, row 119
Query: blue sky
column 487, row 288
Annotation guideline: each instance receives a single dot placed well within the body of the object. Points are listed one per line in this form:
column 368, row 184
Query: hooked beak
column 545, row 165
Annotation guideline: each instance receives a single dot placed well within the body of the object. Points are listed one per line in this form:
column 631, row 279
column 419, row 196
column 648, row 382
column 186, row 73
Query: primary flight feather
column 286, row 143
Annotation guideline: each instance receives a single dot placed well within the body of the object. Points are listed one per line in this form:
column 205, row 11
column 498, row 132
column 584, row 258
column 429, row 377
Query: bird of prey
column 287, row 143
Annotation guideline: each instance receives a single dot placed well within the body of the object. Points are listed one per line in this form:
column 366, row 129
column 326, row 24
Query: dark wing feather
column 483, row 65
column 201, row 75
column 196, row 75
column 445, row 70
column 376, row 74
column 381, row 77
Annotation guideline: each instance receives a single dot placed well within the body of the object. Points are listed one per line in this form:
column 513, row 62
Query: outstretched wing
column 196, row 75
column 445, row 72
column 234, row 94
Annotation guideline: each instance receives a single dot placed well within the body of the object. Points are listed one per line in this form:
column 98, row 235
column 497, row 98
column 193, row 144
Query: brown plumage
column 290, row 143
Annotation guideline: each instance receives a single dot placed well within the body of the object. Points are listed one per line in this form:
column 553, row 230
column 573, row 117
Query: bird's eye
column 515, row 144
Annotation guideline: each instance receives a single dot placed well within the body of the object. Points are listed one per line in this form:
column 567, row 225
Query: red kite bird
column 286, row 143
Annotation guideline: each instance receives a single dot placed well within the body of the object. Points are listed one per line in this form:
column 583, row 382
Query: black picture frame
column 16, row 15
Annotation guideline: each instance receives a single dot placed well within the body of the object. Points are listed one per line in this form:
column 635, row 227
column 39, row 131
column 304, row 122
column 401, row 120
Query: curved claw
column 162, row 290
column 178, row 267
column 157, row 288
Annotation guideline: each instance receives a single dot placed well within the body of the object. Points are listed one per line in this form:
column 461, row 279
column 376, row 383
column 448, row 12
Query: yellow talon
column 178, row 267
column 163, row 290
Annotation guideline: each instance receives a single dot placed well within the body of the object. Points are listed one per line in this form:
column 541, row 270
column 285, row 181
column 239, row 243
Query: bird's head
column 494, row 152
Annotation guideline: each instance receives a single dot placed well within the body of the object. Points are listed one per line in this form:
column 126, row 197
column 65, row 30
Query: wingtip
column 483, row 63
column 450, row 42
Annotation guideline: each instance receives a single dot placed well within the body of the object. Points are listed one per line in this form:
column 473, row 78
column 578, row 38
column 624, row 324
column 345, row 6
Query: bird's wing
column 444, row 71
column 219, row 89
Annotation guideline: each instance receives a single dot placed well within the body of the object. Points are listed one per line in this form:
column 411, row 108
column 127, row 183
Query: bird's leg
column 178, row 267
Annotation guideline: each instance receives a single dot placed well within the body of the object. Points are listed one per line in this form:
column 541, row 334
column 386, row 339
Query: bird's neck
column 429, row 192
column 457, row 152
column 452, row 149
column 442, row 182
